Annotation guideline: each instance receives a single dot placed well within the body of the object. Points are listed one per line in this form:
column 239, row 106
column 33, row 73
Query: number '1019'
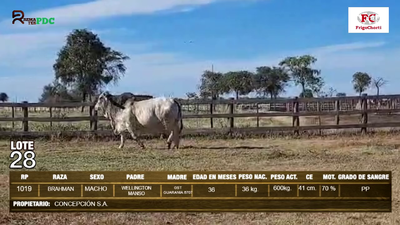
column 27, row 158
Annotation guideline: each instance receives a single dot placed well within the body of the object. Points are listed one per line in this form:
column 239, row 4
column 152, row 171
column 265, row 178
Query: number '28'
column 28, row 157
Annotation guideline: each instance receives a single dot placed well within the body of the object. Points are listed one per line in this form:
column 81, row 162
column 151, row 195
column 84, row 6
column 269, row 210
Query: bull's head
column 105, row 100
column 102, row 101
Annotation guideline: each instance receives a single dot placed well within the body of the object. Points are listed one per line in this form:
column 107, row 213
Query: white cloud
column 348, row 47
column 83, row 12
column 16, row 45
column 179, row 66
column 37, row 49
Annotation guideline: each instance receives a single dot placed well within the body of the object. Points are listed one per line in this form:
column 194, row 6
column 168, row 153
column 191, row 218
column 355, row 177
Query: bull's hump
column 155, row 103
column 162, row 100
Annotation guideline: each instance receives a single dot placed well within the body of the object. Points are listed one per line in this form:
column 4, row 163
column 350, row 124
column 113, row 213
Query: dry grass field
column 372, row 152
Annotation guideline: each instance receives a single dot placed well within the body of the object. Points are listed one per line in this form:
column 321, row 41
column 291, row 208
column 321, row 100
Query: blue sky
column 171, row 42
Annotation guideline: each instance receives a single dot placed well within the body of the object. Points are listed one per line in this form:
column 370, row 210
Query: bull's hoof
column 169, row 145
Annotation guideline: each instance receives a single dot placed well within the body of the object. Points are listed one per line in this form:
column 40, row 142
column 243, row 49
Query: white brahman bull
column 153, row 115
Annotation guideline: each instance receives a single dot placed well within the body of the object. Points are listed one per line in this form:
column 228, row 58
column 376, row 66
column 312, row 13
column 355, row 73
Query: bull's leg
column 177, row 137
column 122, row 140
column 169, row 141
column 112, row 125
column 135, row 138
column 169, row 128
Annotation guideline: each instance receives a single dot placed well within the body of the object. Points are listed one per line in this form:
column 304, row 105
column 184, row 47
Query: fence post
column 258, row 118
column 391, row 103
column 211, row 112
column 51, row 116
column 96, row 119
column 93, row 118
column 364, row 117
column 231, row 111
column 319, row 116
column 295, row 121
column 25, row 126
column 13, row 116
column 337, row 109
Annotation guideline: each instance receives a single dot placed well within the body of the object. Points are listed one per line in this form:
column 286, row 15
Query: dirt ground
column 374, row 152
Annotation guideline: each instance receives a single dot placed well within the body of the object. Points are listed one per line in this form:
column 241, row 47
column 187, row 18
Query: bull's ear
column 107, row 94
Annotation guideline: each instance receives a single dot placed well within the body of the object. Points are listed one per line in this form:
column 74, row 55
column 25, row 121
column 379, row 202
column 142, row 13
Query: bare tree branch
column 378, row 83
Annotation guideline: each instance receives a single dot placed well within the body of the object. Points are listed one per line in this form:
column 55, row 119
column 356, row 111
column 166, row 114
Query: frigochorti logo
column 19, row 15
column 368, row 18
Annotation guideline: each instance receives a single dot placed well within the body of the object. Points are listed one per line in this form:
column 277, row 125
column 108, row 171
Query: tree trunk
column 83, row 100
column 214, row 97
column 273, row 96
column 237, row 95
column 377, row 91
column 303, row 87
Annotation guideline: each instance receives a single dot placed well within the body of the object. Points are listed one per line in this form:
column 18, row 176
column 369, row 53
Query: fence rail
column 294, row 108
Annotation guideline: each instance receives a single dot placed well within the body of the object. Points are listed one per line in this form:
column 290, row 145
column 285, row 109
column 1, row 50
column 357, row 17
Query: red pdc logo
column 368, row 18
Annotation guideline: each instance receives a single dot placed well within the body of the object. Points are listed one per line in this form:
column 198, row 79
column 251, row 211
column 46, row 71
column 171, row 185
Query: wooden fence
column 295, row 109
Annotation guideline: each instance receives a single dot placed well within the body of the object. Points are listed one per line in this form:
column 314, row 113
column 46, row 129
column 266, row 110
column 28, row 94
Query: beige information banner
column 275, row 191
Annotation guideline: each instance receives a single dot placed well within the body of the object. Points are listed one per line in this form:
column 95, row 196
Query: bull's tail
column 179, row 115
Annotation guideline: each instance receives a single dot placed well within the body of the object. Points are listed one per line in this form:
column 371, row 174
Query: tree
column 261, row 79
column 212, row 85
column 361, row 81
column 3, row 97
column 378, row 83
column 48, row 92
column 328, row 93
column 239, row 82
column 308, row 93
column 86, row 64
column 340, row 94
column 302, row 73
column 270, row 81
column 191, row 95
column 56, row 92
column 331, row 92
